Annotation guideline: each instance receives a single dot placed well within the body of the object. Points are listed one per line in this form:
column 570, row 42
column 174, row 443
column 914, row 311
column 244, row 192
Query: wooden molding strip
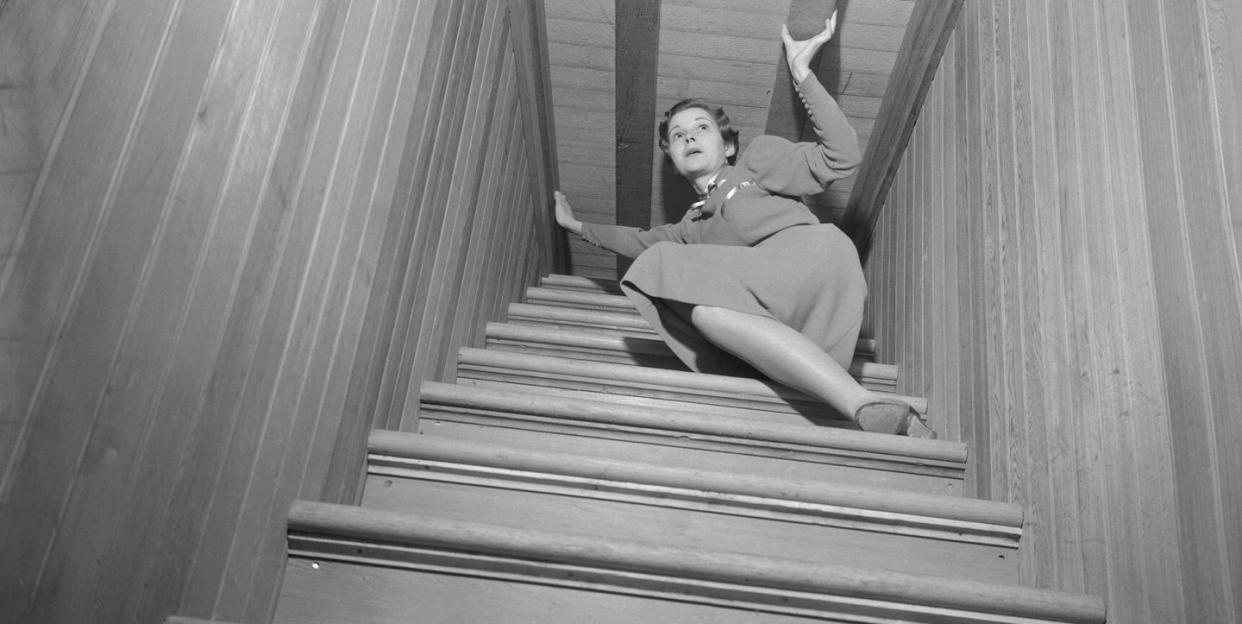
column 931, row 25
column 897, row 450
column 577, row 282
column 326, row 532
column 966, row 519
column 474, row 363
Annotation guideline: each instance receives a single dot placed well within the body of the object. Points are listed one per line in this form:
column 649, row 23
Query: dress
column 751, row 245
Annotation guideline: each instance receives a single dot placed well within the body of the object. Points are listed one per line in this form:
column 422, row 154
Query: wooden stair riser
column 865, row 350
column 633, row 350
column 619, row 379
column 615, row 323
column 575, row 282
column 700, row 525
column 819, row 419
column 606, row 323
column 896, row 531
column 689, row 440
column 389, row 566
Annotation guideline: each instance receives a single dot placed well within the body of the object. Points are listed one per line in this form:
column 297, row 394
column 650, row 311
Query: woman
column 750, row 275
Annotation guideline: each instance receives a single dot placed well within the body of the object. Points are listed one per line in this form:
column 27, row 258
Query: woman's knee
column 701, row 315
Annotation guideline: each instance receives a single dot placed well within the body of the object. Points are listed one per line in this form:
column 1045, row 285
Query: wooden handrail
column 931, row 25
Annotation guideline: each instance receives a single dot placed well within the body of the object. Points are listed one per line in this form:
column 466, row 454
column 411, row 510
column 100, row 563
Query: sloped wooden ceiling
column 727, row 51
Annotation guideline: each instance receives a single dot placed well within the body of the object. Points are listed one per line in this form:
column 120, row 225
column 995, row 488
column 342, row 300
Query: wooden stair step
column 727, row 512
column 633, row 350
column 685, row 439
column 362, row 565
column 608, row 323
column 579, row 299
column 476, row 366
column 866, row 348
column 577, row 282
column 614, row 323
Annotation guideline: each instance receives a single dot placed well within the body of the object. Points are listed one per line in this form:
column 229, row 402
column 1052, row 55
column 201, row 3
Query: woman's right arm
column 619, row 239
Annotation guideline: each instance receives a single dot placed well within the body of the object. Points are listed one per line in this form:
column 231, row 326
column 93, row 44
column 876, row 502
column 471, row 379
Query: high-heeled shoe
column 895, row 417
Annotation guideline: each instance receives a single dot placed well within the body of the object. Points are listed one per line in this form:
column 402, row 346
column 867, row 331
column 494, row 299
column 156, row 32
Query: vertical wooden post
column 637, row 57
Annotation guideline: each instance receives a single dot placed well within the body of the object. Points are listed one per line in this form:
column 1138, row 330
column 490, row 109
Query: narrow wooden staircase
column 576, row 472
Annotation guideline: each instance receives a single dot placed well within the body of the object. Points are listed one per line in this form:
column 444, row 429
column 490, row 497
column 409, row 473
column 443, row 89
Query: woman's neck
column 701, row 183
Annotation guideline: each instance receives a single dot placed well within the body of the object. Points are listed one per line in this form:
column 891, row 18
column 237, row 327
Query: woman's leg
column 788, row 357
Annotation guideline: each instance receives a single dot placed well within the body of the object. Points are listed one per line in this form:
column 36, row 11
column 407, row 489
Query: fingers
column 830, row 28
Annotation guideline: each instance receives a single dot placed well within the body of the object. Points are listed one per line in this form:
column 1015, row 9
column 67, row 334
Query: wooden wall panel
column 582, row 55
column 229, row 266
column 1072, row 164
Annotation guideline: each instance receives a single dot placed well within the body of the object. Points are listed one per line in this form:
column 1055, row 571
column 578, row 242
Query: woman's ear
column 731, row 149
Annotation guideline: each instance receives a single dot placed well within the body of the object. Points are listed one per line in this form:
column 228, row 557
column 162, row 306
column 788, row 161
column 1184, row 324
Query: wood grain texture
column 1090, row 220
column 926, row 37
column 212, row 258
column 638, row 53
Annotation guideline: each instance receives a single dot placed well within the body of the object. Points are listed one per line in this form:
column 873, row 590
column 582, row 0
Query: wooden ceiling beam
column 786, row 116
column 931, row 25
column 637, row 56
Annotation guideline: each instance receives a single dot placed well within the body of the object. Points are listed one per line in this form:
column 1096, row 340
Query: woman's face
column 695, row 145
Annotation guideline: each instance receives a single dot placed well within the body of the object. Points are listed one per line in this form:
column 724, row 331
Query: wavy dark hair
column 727, row 131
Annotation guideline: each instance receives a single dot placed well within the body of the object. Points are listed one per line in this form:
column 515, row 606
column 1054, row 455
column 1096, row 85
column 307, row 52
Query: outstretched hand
column 800, row 53
column 565, row 214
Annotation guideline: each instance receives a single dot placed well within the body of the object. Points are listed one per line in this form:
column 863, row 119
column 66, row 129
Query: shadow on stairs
column 573, row 473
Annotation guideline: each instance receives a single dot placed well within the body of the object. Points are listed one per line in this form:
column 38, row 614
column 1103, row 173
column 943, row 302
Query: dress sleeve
column 787, row 168
column 631, row 241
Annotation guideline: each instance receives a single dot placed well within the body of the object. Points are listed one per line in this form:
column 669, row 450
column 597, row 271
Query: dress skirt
column 807, row 277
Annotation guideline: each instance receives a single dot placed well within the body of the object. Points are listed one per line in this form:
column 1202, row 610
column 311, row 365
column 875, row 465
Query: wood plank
column 1224, row 27
column 431, row 182
column 928, row 33
column 528, row 27
column 600, row 11
column 331, row 223
column 413, row 119
column 1205, row 238
column 1047, row 305
column 638, row 51
column 72, row 271
column 786, row 114
column 459, row 199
